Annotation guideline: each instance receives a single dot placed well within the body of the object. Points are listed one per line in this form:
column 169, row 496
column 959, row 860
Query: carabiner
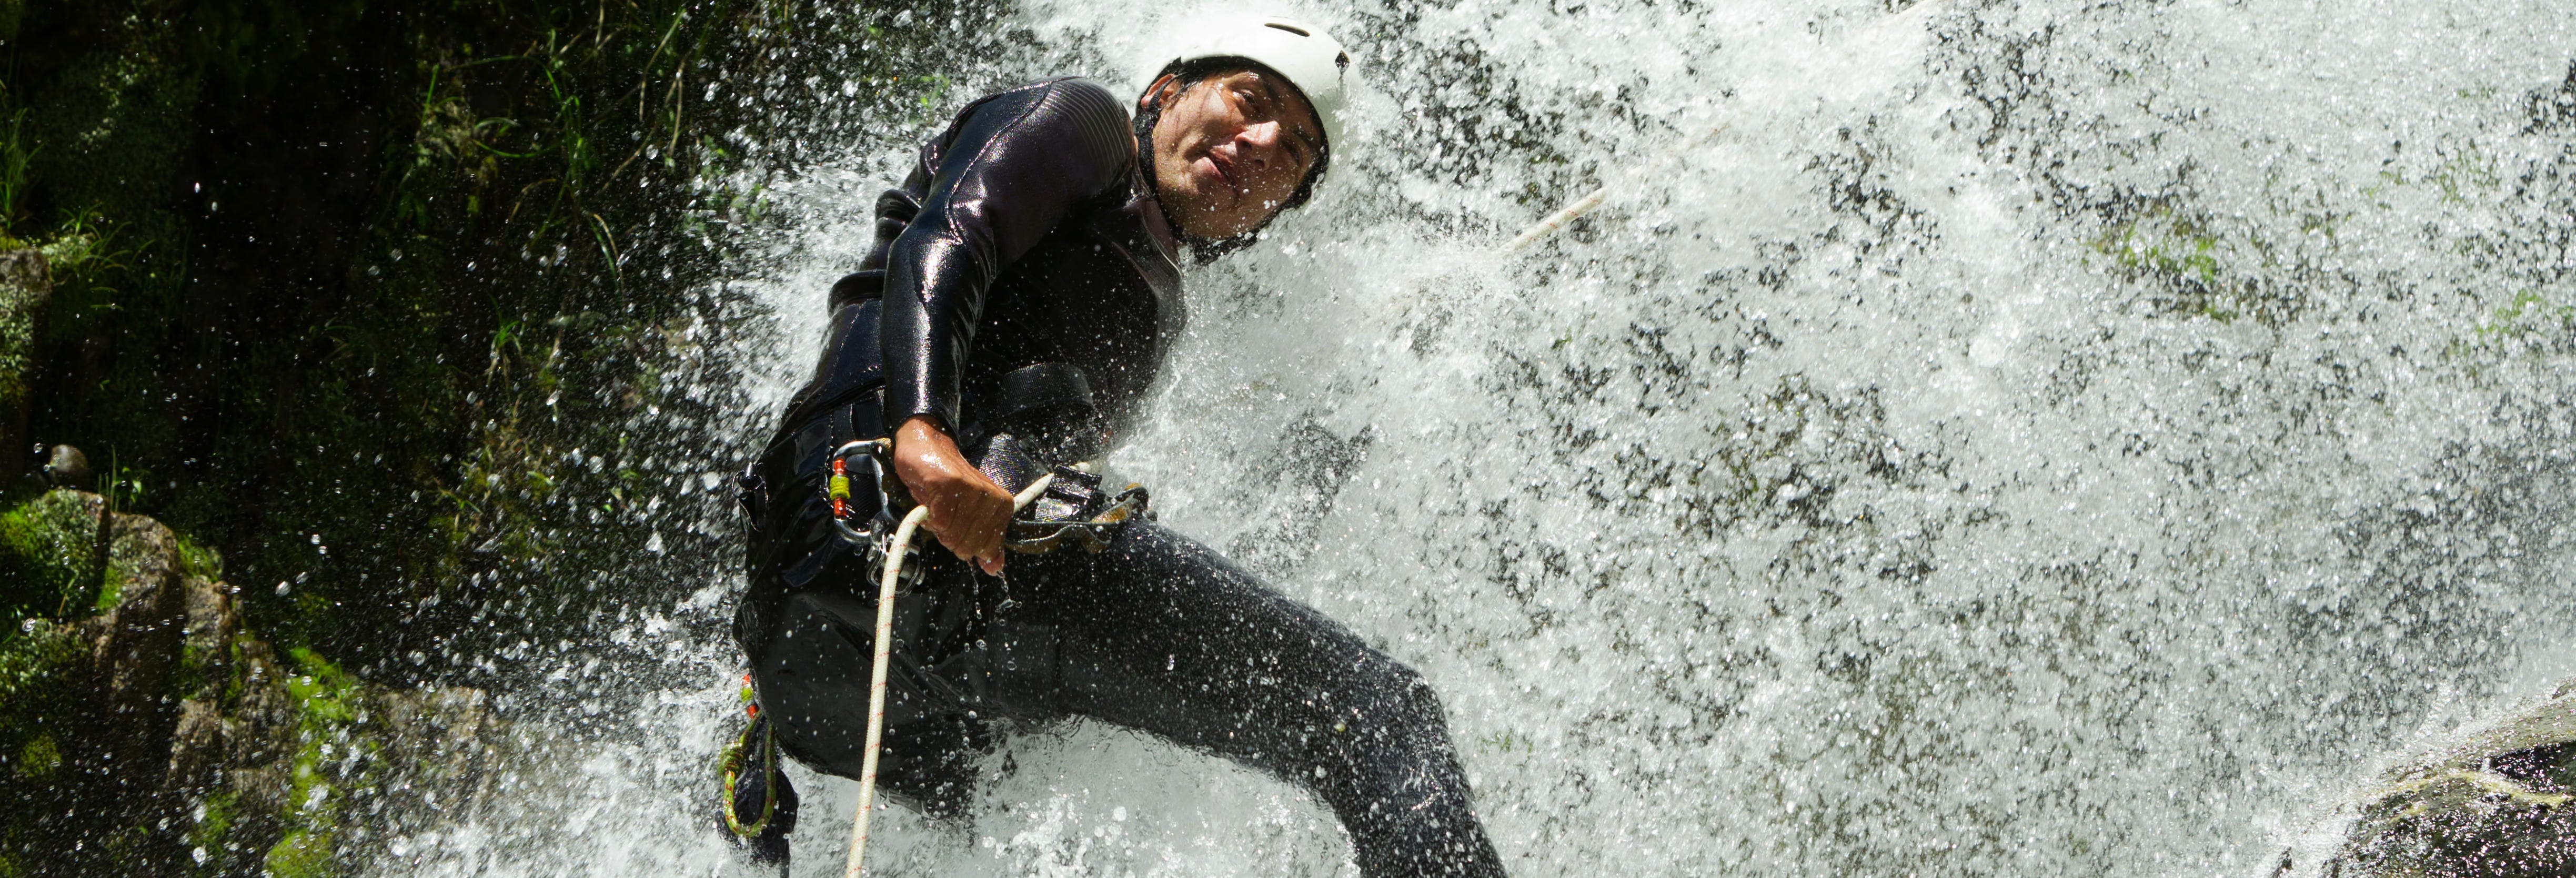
column 837, row 489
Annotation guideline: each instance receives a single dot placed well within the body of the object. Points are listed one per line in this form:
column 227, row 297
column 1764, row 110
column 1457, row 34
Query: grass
column 48, row 559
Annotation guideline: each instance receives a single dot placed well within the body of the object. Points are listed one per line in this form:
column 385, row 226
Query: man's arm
column 1011, row 169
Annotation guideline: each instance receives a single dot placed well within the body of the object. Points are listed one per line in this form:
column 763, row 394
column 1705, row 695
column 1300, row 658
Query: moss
column 303, row 854
column 2180, row 256
column 48, row 557
column 38, row 665
column 43, row 685
column 20, row 306
column 201, row 562
column 331, row 757
column 214, row 823
column 322, row 693
column 40, row 758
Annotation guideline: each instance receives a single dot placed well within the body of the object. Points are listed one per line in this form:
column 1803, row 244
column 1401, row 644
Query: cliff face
column 150, row 733
column 401, row 306
column 374, row 295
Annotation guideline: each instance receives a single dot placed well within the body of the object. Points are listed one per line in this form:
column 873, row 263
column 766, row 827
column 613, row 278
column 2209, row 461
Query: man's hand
column 967, row 510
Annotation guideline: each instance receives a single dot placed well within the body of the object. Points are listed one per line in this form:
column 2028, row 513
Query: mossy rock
column 45, row 677
column 49, row 558
column 2500, row 803
column 40, row 667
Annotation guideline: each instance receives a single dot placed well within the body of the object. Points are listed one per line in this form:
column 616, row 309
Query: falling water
column 2025, row 440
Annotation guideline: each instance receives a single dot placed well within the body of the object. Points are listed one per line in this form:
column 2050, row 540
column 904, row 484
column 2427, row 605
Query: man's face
column 1230, row 149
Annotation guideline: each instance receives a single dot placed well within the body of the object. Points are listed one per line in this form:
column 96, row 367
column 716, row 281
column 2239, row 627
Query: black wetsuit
column 1028, row 235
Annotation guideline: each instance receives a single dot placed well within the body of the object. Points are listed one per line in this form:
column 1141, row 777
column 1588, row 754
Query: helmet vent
column 1291, row 29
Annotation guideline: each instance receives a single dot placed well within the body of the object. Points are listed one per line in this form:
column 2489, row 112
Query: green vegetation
column 2528, row 311
column 332, row 758
column 48, row 558
column 2180, row 256
column 366, row 299
column 41, row 690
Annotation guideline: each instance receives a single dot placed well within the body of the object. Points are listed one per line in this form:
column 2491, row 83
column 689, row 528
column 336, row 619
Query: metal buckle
column 1088, row 519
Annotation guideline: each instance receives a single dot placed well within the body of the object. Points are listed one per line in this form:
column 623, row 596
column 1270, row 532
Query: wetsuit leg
column 814, row 685
column 1161, row 634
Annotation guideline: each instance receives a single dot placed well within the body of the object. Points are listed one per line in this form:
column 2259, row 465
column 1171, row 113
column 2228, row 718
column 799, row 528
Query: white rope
column 1555, row 221
column 885, row 652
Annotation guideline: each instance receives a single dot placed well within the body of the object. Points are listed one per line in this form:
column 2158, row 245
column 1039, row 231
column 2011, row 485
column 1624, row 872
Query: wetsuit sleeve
column 1014, row 166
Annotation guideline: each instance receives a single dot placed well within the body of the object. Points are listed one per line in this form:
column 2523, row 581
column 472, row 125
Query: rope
column 895, row 550
column 731, row 766
column 1574, row 210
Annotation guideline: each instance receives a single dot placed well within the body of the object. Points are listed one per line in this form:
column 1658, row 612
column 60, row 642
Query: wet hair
column 1186, row 75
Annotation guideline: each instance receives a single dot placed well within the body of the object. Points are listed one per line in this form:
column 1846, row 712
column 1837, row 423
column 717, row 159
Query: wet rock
column 66, row 467
column 184, row 745
column 209, row 626
column 196, row 749
column 2502, row 803
column 137, row 644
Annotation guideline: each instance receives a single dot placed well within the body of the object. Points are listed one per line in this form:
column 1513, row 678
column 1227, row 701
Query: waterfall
column 2028, row 439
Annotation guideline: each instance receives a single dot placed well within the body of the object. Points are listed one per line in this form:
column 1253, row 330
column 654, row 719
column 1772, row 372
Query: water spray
column 900, row 544
column 1593, row 200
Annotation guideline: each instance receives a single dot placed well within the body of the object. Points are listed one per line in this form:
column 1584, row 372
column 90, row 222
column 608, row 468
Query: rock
column 261, row 727
column 66, row 467
column 137, row 644
column 183, row 744
column 205, row 657
column 2501, row 803
column 197, row 747
column 196, row 750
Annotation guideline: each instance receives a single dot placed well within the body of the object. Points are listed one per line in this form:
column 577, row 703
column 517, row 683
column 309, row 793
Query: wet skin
column 1228, row 150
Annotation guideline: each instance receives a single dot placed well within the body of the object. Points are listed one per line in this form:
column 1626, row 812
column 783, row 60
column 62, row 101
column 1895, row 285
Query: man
column 1021, row 298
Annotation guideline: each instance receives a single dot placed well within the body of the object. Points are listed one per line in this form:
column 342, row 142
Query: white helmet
column 1311, row 60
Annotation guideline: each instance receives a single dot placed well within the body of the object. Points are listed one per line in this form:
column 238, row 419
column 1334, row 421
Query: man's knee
column 1389, row 730
column 1405, row 699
